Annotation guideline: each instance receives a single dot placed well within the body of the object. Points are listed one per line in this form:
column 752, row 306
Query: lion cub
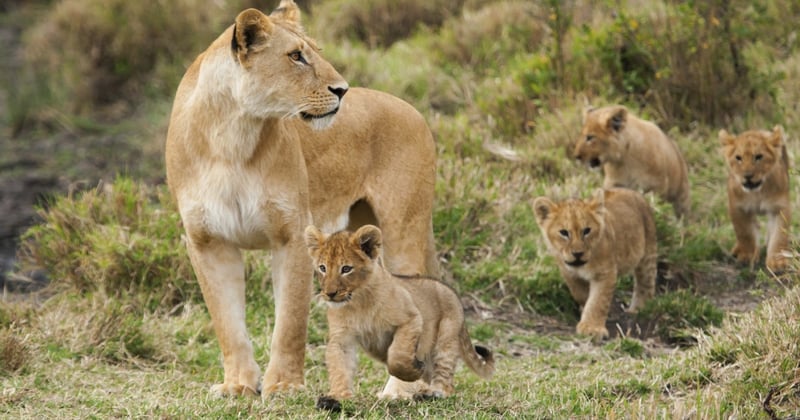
column 634, row 153
column 597, row 240
column 758, row 183
column 413, row 325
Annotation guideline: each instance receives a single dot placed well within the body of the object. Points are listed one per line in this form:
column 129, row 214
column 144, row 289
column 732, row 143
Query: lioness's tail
column 478, row 358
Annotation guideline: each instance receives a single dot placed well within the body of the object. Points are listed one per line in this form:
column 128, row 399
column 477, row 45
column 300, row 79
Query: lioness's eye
column 297, row 56
column 589, row 138
column 321, row 269
column 587, row 231
column 759, row 157
column 738, row 158
column 346, row 269
column 564, row 233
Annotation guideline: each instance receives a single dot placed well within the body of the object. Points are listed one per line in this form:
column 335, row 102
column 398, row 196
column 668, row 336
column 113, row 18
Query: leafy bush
column 119, row 238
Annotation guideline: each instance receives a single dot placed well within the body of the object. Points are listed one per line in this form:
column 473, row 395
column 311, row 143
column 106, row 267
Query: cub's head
column 752, row 155
column 571, row 228
column 279, row 70
column 345, row 261
column 599, row 135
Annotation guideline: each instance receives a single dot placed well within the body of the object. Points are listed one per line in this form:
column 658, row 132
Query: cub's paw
column 408, row 372
column 325, row 402
column 598, row 332
column 777, row 263
column 428, row 394
column 744, row 254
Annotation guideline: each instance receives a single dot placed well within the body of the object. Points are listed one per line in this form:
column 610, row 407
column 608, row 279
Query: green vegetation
column 122, row 331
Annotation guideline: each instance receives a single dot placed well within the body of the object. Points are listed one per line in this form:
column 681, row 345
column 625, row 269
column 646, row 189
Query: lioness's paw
column 744, row 255
column 777, row 263
column 325, row 402
column 428, row 394
column 596, row 331
column 227, row 390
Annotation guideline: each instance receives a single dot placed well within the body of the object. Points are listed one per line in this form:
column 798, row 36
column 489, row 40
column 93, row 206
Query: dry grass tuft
column 14, row 353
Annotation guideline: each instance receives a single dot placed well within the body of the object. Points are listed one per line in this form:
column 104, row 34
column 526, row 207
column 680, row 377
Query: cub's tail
column 478, row 358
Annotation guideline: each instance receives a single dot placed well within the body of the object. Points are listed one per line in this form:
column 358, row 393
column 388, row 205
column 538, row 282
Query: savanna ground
column 101, row 315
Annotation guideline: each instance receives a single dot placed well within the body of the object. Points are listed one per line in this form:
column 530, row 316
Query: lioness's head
column 344, row 260
column 571, row 227
column 752, row 155
column 280, row 71
column 599, row 135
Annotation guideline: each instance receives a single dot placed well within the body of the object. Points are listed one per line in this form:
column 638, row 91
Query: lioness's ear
column 250, row 30
column 542, row 207
column 313, row 237
column 287, row 10
column 777, row 136
column 618, row 118
column 725, row 138
column 368, row 238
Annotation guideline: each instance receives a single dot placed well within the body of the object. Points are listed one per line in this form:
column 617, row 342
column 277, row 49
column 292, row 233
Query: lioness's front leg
column 595, row 312
column 220, row 272
column 401, row 358
column 778, row 239
column 291, row 282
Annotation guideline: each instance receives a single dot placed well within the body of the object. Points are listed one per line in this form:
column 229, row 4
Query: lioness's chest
column 233, row 204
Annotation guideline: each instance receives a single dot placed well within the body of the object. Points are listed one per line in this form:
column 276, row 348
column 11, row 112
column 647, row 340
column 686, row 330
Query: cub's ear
column 369, row 239
column 542, row 207
column 251, row 30
column 287, row 10
column 313, row 237
column 586, row 111
column 598, row 201
column 777, row 137
column 726, row 138
column 618, row 118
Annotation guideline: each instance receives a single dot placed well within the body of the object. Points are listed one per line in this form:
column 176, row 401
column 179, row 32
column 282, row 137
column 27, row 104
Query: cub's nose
column 331, row 295
column 577, row 255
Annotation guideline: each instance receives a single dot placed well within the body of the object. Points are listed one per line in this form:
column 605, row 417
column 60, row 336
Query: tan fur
column 758, row 183
column 597, row 240
column 254, row 155
column 634, row 153
column 413, row 325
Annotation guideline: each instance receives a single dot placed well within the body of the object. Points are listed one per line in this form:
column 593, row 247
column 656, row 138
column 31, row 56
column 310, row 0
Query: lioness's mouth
column 575, row 263
column 595, row 163
column 306, row 116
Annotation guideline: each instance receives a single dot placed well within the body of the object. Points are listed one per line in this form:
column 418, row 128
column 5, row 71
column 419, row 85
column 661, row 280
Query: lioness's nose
column 338, row 90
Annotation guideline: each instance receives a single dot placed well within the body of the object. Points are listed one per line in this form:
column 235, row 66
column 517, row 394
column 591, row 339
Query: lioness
column 413, row 325
column 262, row 144
column 758, row 183
column 634, row 153
column 597, row 240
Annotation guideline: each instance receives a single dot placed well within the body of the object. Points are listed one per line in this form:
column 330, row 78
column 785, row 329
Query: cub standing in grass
column 634, row 153
column 596, row 240
column 758, row 183
column 414, row 325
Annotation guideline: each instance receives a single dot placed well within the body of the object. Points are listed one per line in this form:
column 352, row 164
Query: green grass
column 122, row 330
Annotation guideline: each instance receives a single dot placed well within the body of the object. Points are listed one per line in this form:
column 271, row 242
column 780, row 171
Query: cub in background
column 414, row 325
column 596, row 240
column 634, row 153
column 758, row 183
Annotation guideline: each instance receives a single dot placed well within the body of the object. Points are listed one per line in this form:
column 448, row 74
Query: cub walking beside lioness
column 414, row 325
column 597, row 240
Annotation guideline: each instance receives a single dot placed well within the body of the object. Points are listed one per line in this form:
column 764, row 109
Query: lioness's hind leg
column 220, row 272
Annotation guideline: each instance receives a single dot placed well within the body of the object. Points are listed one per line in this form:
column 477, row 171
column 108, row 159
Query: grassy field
column 121, row 330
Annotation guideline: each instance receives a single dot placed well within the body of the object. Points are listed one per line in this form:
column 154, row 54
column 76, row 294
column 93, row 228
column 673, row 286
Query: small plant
column 674, row 314
column 14, row 353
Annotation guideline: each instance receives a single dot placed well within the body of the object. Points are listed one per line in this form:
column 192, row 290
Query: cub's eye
column 321, row 269
column 589, row 138
column 758, row 157
column 297, row 56
column 587, row 231
column 738, row 158
column 346, row 269
column 564, row 233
